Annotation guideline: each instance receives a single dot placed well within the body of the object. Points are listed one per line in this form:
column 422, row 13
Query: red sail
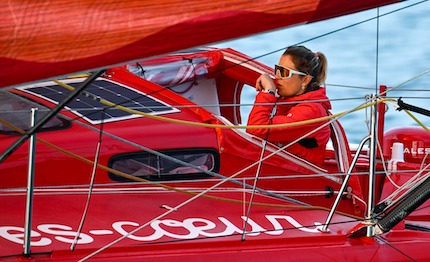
column 43, row 39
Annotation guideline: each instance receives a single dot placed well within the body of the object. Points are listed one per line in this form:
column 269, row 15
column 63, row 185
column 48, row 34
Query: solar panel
column 88, row 105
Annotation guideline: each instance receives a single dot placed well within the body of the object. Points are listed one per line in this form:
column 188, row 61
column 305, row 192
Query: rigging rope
column 211, row 125
column 257, row 173
column 90, row 190
column 191, row 123
column 307, row 134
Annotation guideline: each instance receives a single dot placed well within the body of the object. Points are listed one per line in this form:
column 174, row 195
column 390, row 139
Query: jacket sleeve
column 260, row 115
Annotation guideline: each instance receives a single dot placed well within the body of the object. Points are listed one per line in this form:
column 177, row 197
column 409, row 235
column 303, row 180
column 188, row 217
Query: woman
column 298, row 94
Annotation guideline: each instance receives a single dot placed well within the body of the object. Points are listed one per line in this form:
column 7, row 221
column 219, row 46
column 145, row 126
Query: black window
column 156, row 168
column 16, row 111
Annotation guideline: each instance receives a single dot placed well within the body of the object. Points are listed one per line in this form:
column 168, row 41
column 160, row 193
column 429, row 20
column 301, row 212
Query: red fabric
column 316, row 105
column 43, row 39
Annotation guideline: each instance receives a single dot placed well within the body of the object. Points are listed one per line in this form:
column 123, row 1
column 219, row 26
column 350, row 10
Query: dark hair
column 314, row 64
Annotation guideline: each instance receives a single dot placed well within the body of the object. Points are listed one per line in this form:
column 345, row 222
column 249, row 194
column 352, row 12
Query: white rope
column 87, row 204
column 413, row 181
column 387, row 174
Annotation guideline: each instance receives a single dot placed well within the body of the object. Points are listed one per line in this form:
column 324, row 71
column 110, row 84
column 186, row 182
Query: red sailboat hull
column 182, row 212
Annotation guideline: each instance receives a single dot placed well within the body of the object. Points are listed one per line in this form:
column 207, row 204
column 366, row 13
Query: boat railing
column 371, row 138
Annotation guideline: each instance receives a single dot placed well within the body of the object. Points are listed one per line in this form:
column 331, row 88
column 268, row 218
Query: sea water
column 363, row 52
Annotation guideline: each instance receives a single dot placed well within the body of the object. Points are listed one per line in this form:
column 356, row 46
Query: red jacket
column 312, row 148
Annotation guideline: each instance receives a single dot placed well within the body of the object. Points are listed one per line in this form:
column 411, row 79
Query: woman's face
column 291, row 86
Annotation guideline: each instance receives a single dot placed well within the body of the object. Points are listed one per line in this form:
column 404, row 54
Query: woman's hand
column 265, row 82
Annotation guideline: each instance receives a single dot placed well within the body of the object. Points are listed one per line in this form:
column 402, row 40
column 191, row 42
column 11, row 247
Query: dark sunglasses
column 285, row 72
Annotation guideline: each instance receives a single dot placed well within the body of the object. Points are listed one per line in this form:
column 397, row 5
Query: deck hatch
column 88, row 104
